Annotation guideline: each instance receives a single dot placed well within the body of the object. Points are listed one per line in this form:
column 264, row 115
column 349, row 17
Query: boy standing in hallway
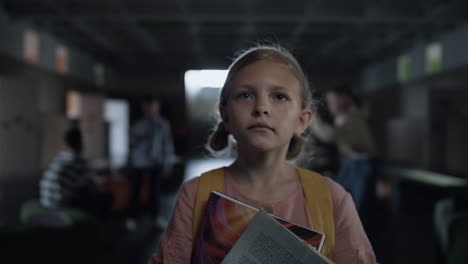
column 152, row 152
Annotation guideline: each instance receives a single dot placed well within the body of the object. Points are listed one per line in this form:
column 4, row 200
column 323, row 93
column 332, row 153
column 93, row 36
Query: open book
column 266, row 241
column 224, row 222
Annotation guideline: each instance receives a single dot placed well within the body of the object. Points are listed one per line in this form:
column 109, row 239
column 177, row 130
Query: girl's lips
column 260, row 127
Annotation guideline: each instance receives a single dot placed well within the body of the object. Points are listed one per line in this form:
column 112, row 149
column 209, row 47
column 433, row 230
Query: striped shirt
column 66, row 176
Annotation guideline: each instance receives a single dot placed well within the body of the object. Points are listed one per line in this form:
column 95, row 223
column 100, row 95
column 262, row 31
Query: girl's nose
column 261, row 108
column 259, row 112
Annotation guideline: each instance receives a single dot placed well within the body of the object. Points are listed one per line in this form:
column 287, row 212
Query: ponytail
column 295, row 147
column 219, row 138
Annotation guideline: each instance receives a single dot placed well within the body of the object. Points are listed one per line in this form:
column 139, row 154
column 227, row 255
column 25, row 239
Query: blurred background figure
column 354, row 140
column 152, row 155
column 68, row 182
column 322, row 144
column 451, row 226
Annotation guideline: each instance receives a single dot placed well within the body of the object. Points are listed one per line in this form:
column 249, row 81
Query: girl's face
column 263, row 109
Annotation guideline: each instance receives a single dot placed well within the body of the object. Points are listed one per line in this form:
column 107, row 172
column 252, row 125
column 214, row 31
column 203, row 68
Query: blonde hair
column 219, row 140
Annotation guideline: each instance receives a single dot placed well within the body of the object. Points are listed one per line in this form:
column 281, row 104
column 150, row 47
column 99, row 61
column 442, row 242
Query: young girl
column 265, row 105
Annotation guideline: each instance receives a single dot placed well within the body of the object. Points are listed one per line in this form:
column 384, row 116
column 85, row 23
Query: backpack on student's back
column 317, row 194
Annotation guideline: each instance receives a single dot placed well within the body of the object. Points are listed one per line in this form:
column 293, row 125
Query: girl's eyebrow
column 246, row 86
column 273, row 87
column 279, row 88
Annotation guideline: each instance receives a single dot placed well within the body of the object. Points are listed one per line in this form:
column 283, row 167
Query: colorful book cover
column 223, row 224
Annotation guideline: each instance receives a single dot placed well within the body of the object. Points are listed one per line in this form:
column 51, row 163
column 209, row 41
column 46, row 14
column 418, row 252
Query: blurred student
column 152, row 155
column 356, row 145
column 68, row 182
column 325, row 158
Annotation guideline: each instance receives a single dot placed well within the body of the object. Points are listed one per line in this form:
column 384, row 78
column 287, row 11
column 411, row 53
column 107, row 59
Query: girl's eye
column 244, row 95
column 281, row 97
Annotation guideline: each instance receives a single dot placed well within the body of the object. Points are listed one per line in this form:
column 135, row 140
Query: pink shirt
column 351, row 243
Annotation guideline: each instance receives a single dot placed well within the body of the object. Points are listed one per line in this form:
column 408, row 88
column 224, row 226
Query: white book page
column 266, row 241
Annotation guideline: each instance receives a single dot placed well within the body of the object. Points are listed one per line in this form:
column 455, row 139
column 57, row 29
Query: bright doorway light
column 117, row 114
column 195, row 80
column 202, row 90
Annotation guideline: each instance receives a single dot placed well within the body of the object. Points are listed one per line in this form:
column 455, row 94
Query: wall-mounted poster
column 31, row 49
column 433, row 58
column 404, row 67
column 61, row 59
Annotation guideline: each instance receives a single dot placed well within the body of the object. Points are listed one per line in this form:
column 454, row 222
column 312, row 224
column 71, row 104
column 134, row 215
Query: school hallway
column 401, row 231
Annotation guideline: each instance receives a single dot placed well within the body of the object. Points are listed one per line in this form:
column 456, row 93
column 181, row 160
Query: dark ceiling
column 171, row 35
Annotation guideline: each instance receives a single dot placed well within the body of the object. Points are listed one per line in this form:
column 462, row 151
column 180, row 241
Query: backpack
column 317, row 195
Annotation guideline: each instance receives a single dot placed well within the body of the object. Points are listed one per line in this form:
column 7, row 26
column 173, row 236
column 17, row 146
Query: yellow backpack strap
column 209, row 181
column 319, row 204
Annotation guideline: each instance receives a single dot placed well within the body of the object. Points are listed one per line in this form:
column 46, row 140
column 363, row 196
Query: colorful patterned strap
column 209, row 181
